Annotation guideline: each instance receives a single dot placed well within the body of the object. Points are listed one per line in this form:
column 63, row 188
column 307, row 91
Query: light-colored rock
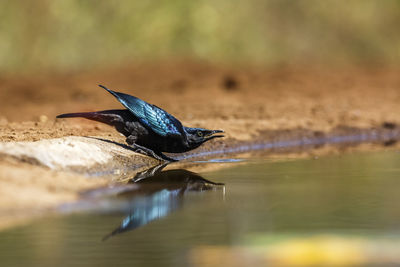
column 82, row 154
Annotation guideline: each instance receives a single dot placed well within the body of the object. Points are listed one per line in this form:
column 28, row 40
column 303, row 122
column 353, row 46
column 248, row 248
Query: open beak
column 211, row 134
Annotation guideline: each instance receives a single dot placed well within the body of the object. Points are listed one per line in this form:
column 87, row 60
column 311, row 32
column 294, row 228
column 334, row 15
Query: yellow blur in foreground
column 318, row 250
column 321, row 250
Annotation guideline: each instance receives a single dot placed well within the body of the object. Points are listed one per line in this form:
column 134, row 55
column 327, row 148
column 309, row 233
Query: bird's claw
column 148, row 152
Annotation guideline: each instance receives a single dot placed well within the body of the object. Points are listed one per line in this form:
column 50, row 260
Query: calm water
column 177, row 218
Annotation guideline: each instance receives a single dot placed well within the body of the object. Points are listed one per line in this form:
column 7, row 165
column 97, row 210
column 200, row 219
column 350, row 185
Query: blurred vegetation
column 75, row 33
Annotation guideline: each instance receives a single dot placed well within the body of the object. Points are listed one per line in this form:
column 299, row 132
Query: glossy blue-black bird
column 148, row 128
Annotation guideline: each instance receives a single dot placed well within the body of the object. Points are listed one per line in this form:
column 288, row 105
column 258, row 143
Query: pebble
column 43, row 118
column 3, row 121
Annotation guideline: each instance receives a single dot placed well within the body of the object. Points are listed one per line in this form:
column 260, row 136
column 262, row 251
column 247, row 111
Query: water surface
column 179, row 222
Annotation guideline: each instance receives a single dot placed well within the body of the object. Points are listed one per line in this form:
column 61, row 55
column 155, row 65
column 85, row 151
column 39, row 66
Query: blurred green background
column 74, row 34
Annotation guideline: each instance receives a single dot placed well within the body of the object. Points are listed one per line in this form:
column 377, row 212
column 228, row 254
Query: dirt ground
column 248, row 102
column 240, row 100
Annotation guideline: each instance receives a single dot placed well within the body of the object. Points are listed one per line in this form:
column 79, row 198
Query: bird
column 148, row 129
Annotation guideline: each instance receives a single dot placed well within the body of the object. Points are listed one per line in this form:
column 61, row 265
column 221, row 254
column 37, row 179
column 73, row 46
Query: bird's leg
column 151, row 153
column 146, row 151
column 165, row 157
column 131, row 139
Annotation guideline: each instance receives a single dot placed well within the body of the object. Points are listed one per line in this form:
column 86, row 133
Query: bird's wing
column 153, row 117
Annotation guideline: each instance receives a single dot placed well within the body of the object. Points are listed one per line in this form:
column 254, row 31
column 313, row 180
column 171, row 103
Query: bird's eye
column 199, row 134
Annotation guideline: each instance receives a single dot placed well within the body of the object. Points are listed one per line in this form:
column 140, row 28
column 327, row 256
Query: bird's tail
column 109, row 117
column 87, row 115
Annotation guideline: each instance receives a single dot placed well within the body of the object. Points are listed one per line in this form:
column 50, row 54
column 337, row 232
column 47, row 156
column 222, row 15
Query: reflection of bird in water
column 148, row 128
column 158, row 194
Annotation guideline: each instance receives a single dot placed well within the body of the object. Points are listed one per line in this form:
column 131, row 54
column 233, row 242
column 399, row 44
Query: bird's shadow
column 112, row 142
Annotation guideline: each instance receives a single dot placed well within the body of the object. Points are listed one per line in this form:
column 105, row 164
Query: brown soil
column 242, row 101
column 248, row 102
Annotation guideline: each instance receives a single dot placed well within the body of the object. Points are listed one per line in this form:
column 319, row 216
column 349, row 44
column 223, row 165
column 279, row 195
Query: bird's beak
column 211, row 134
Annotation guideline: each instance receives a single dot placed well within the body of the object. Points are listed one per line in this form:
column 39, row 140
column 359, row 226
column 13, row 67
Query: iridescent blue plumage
column 150, row 115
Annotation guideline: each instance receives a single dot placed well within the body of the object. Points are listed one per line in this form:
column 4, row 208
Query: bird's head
column 197, row 136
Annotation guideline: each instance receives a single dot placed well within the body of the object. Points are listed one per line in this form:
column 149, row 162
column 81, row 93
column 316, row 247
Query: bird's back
column 151, row 116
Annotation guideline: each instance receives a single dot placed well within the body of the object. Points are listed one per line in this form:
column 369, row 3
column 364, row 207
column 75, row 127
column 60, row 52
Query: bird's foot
column 148, row 152
column 166, row 158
